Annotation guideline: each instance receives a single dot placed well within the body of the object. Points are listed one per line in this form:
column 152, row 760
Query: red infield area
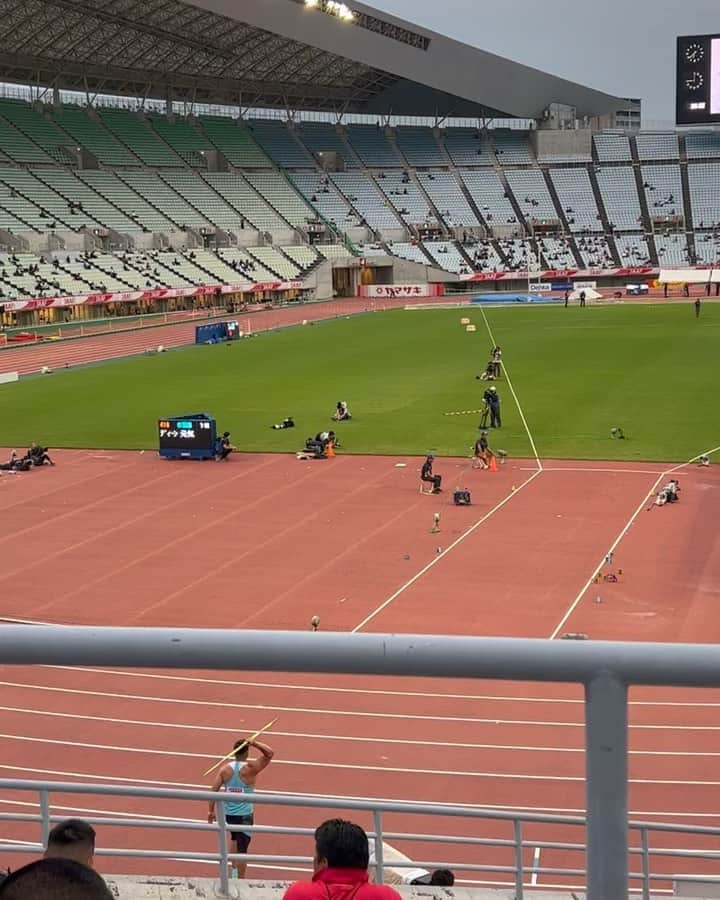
column 267, row 541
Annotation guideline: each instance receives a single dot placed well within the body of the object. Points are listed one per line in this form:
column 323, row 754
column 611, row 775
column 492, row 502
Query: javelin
column 241, row 746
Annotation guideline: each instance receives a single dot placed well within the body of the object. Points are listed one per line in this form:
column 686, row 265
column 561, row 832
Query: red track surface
column 266, row 542
column 108, row 345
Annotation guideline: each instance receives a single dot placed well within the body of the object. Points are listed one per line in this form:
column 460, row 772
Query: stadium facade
column 174, row 151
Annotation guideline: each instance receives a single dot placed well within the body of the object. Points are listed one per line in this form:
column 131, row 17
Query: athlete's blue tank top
column 235, row 785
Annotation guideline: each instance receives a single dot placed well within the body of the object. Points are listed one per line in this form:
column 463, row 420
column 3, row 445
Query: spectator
column 72, row 839
column 54, row 879
column 340, row 867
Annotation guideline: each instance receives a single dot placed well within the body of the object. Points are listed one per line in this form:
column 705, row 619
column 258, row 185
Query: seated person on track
column 342, row 413
column 223, row 448
column 426, row 474
column 669, row 494
column 480, row 453
column 38, row 455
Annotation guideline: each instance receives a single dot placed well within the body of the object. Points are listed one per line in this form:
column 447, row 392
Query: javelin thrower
column 237, row 775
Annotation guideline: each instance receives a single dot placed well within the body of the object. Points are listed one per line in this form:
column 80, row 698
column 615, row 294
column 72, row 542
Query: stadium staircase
column 687, row 203
column 562, row 216
column 600, row 203
column 501, row 174
column 647, row 221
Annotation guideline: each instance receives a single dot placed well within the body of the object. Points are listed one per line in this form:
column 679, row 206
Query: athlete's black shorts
column 242, row 840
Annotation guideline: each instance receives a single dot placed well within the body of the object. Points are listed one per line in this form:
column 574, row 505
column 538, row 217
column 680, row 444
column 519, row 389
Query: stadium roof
column 272, row 53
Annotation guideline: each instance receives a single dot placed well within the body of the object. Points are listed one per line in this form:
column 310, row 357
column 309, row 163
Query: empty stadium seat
column 235, row 141
column 367, row 199
column 187, row 141
column 373, row 146
column 282, row 196
column 576, row 196
column 612, row 147
column 511, row 147
column 620, row 198
column 657, row 145
column 280, row 143
column 420, row 147
column 44, row 141
column 704, row 183
column 133, row 130
column 449, row 199
column 468, row 147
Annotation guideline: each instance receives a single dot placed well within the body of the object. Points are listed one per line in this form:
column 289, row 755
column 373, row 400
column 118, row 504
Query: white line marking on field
column 535, row 866
column 341, row 712
column 436, row 559
column 512, row 391
column 500, row 698
column 312, row 764
column 667, row 472
column 458, row 745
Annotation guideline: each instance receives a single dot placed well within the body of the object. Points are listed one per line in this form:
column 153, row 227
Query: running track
column 127, row 539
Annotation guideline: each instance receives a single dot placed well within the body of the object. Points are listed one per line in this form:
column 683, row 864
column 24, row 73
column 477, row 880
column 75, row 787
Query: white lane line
column 641, row 506
column 535, row 866
column 547, row 468
column 339, row 712
column 312, row 764
column 665, row 815
column 436, row 559
column 500, row 698
column 512, row 391
column 354, row 739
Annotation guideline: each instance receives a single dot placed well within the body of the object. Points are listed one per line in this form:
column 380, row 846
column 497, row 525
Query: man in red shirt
column 340, row 867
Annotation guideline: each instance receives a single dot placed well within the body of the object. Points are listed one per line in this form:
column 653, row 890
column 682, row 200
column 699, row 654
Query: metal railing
column 605, row 669
column 521, row 875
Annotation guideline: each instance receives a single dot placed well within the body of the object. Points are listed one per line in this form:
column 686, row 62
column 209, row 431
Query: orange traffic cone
column 330, row 451
column 493, row 464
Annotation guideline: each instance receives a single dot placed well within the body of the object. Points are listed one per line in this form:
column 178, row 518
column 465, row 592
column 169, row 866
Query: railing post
column 519, row 865
column 606, row 787
column 223, row 833
column 645, row 847
column 44, row 818
column 379, row 857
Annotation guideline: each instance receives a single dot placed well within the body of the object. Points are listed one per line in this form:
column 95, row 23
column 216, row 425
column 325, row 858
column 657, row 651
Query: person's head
column 55, row 879
column 442, row 877
column 492, row 389
column 241, row 749
column 331, row 435
column 72, row 839
column 341, row 845
column 431, row 456
column 226, row 434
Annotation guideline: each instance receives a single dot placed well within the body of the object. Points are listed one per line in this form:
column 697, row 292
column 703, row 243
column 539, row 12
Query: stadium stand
column 83, row 205
column 323, row 137
column 512, row 147
column 319, row 190
column 663, row 190
column 282, row 196
column 655, row 145
column 448, row 198
column 491, row 198
column 468, row 147
column 168, row 202
column 187, row 141
column 136, row 207
column 276, row 262
column 202, row 196
column 419, row 147
column 531, row 193
column 702, row 145
column 53, row 144
column 704, row 185
column 409, row 250
column 620, row 197
column 672, row 249
column 235, row 141
column 408, row 199
column 612, row 148
column 576, row 196
column 595, row 251
column 374, row 208
column 707, row 247
column 447, row 256
column 86, row 130
column 333, row 251
column 280, row 143
column 236, row 191
column 556, row 253
column 371, row 143
column 633, row 249
column 135, row 132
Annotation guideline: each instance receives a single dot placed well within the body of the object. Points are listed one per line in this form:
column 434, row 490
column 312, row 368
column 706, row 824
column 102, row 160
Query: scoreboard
column 187, row 437
column 698, row 80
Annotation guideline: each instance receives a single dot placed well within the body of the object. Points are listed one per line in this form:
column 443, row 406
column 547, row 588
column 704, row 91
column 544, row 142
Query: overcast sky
column 624, row 47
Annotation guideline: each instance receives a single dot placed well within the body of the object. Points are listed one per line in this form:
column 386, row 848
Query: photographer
column 342, row 413
column 492, row 398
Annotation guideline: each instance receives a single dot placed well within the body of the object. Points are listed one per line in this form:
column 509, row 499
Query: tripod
column 485, row 415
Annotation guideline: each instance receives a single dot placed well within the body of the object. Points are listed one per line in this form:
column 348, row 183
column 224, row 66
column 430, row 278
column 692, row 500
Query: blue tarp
column 513, row 298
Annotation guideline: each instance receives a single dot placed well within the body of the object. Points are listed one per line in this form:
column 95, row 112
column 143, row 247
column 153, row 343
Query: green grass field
column 577, row 373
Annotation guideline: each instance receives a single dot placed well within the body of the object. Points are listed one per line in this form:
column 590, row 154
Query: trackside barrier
column 519, row 872
column 605, row 669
